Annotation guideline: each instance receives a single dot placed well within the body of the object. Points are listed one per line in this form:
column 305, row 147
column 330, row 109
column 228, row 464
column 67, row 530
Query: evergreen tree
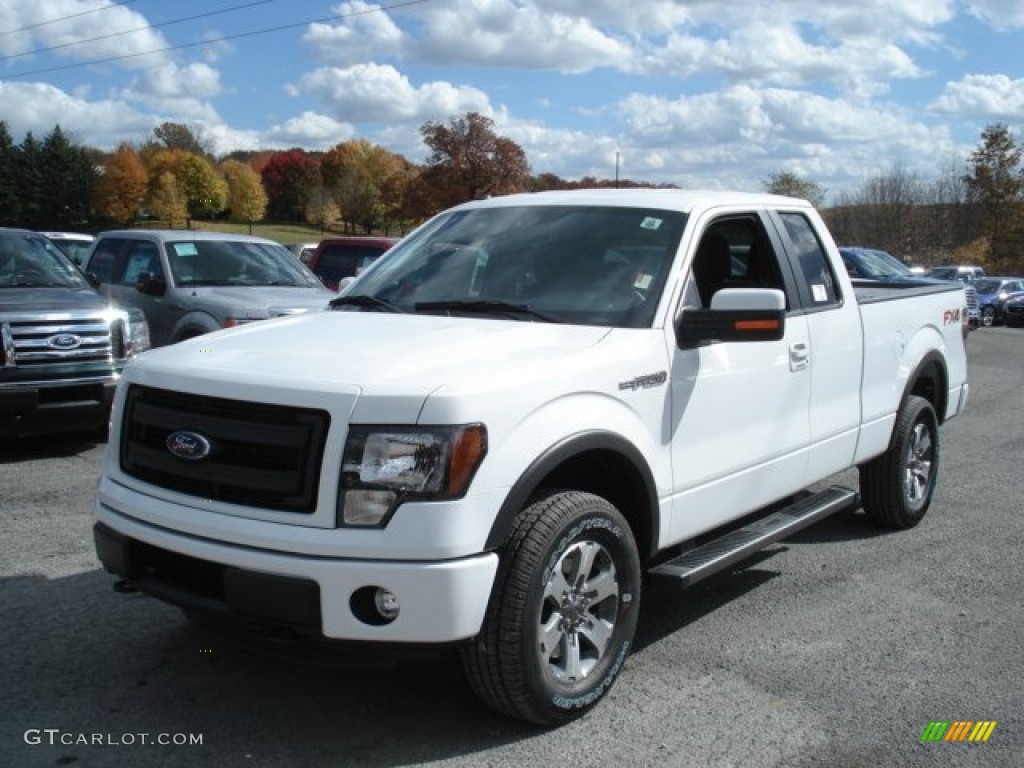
column 10, row 199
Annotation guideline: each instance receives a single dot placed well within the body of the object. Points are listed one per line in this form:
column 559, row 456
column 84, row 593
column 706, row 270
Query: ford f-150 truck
column 528, row 404
column 62, row 346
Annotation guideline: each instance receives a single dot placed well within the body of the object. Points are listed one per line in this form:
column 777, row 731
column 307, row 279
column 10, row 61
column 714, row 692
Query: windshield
column 863, row 262
column 236, row 262
column 28, row 260
column 573, row 264
column 988, row 286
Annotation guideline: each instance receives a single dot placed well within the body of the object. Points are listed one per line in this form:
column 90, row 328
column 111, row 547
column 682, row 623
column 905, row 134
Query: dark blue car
column 992, row 295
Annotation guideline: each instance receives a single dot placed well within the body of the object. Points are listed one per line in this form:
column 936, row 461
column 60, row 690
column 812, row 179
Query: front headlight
column 384, row 466
column 138, row 332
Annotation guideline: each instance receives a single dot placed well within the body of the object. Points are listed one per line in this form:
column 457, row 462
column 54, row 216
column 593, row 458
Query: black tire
column 896, row 488
column 988, row 317
column 554, row 675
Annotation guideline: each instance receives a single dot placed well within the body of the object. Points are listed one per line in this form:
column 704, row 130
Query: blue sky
column 699, row 93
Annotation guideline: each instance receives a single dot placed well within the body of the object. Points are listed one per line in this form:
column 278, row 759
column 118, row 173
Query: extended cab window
column 818, row 285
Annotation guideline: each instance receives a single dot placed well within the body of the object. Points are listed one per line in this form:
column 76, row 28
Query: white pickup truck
column 530, row 403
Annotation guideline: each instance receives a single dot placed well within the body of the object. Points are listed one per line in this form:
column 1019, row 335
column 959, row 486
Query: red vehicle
column 337, row 258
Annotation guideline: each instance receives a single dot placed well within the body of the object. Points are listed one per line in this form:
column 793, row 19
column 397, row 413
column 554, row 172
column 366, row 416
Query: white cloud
column 999, row 14
column 116, row 31
column 524, row 35
column 377, row 93
column 367, row 32
column 103, row 123
column 742, row 135
column 310, row 131
column 995, row 97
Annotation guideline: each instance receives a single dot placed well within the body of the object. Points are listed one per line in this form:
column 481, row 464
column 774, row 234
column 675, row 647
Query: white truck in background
column 526, row 405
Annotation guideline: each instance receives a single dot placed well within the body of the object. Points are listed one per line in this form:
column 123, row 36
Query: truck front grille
column 36, row 342
column 259, row 455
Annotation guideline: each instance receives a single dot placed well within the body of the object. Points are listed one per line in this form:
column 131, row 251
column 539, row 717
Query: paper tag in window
column 650, row 222
column 818, row 292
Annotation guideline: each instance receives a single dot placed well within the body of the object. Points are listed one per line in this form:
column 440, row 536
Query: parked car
column 964, row 273
column 75, row 245
column 63, row 347
column 873, row 264
column 338, row 258
column 189, row 283
column 992, row 292
column 1013, row 311
column 303, row 251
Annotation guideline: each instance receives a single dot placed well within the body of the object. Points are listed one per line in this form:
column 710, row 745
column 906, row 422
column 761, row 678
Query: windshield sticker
column 185, row 249
column 818, row 292
column 650, row 222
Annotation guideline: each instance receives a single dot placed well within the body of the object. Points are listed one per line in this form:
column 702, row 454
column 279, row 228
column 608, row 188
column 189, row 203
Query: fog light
column 386, row 603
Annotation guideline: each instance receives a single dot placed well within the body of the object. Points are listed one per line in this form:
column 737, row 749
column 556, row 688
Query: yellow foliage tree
column 246, row 197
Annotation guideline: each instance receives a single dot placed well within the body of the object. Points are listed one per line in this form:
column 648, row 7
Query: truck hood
column 28, row 299
column 265, row 299
column 397, row 357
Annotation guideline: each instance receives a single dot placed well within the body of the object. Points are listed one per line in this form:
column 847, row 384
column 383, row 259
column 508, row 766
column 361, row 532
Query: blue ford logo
column 64, row 341
column 187, row 445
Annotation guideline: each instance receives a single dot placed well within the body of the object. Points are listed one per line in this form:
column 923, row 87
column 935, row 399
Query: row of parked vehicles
column 991, row 300
column 75, row 308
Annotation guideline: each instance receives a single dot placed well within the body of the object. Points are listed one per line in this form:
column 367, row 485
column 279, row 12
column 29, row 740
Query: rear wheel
column 563, row 614
column 897, row 487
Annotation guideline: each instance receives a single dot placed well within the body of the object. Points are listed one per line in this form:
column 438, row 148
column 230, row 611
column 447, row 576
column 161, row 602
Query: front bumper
column 440, row 601
column 55, row 407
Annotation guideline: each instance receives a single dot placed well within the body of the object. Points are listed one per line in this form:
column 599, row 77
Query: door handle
column 799, row 356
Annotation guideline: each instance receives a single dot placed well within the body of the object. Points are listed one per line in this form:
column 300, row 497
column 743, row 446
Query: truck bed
column 872, row 291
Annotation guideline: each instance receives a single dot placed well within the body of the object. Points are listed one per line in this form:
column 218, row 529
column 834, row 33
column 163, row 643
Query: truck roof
column 684, row 200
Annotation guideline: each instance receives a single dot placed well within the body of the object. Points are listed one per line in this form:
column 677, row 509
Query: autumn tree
column 468, row 160
column 205, row 190
column 367, row 182
column 287, row 178
column 321, row 210
column 995, row 185
column 121, row 190
column 247, row 200
column 166, row 199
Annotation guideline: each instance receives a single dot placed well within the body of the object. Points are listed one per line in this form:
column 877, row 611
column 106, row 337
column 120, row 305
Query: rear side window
column 815, row 279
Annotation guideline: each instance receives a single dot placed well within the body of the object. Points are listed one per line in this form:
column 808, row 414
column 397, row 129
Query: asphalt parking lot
column 835, row 648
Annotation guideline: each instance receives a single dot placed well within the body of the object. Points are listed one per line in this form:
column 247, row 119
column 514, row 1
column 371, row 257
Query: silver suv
column 189, row 282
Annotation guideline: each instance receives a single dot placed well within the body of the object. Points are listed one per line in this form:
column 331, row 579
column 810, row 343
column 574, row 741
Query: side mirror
column 94, row 279
column 151, row 286
column 736, row 314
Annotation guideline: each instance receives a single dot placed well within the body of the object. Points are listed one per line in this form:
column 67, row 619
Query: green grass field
column 282, row 233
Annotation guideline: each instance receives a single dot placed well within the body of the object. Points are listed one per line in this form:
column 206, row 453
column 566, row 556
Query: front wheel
column 563, row 613
column 988, row 317
column 897, row 487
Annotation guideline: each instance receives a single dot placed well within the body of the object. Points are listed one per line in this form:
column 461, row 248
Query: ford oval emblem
column 64, row 341
column 188, row 445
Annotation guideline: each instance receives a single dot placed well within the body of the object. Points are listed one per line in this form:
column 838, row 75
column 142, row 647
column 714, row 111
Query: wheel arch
column 195, row 323
column 930, row 381
column 598, row 462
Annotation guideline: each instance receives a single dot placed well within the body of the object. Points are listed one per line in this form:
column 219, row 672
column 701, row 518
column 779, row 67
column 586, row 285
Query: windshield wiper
column 485, row 307
column 364, row 300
